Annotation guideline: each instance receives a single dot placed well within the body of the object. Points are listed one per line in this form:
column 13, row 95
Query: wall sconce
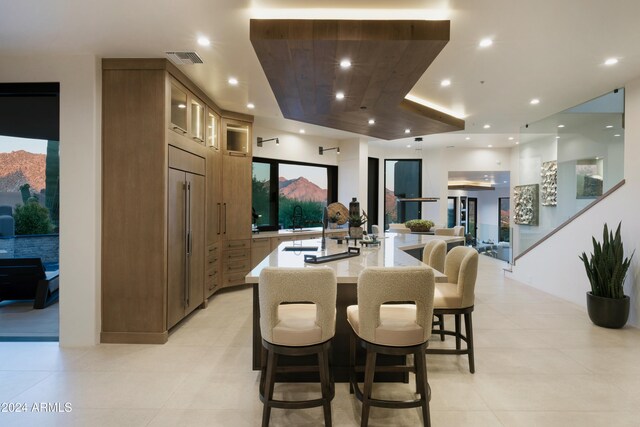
column 322, row 150
column 260, row 141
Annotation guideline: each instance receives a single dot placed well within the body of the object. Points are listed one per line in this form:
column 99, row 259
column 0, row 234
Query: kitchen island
column 392, row 252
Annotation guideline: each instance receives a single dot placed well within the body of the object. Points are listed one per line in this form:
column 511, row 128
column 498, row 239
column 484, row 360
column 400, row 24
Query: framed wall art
column 525, row 209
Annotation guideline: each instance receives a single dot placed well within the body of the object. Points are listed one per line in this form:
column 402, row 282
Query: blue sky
column 10, row 143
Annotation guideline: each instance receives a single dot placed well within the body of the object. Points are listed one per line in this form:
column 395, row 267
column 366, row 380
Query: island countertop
column 390, row 253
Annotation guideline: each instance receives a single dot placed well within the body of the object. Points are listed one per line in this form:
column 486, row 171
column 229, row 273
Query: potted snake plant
column 606, row 269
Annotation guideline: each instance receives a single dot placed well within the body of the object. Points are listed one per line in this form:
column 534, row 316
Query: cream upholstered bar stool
column 444, row 232
column 434, row 254
column 303, row 327
column 392, row 329
column 457, row 298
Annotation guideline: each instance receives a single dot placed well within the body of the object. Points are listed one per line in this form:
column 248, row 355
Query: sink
column 300, row 248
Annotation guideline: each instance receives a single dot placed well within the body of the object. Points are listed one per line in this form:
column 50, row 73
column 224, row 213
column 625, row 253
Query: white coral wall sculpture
column 549, row 187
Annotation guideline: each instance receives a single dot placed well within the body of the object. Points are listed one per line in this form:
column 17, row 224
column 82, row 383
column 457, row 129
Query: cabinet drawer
column 236, row 254
column 212, row 280
column 213, row 254
column 236, row 244
column 236, row 266
column 262, row 242
column 231, row 278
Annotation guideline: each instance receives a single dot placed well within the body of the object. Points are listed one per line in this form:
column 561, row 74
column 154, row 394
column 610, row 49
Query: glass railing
column 494, row 241
column 566, row 161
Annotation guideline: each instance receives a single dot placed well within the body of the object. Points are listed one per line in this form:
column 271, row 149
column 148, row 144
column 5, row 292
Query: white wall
column 554, row 266
column 80, row 185
column 293, row 146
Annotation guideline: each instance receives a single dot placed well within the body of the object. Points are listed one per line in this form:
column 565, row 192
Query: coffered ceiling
column 546, row 49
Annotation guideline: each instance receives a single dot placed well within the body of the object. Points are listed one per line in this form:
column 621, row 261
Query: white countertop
column 303, row 232
column 390, row 253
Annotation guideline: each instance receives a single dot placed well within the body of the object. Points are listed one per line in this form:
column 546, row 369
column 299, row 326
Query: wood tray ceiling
column 301, row 59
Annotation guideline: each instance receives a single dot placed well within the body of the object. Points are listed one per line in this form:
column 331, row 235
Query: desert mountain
column 21, row 167
column 301, row 189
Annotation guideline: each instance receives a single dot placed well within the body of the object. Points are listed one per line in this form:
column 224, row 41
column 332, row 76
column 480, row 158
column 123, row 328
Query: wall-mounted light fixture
column 261, row 140
column 322, row 150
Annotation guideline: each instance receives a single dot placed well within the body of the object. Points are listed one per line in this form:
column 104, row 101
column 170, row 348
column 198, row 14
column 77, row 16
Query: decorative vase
column 608, row 312
column 355, row 232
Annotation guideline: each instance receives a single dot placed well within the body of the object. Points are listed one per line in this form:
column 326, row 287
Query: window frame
column 274, row 174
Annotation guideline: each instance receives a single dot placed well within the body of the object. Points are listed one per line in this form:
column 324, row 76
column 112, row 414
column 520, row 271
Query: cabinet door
column 214, row 196
column 196, row 130
column 213, row 130
column 236, row 137
column 196, row 240
column 176, row 246
column 236, row 190
column 178, row 109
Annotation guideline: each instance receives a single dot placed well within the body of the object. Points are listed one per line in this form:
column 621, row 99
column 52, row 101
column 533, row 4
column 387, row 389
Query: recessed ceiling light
column 233, row 81
column 408, row 145
column 560, row 126
column 557, row 137
column 445, row 82
column 407, row 131
column 611, row 61
column 617, row 134
column 510, row 138
column 597, row 158
column 504, row 182
column 485, row 176
column 486, row 126
column 490, row 146
column 517, row 142
column 468, row 138
column 302, row 130
column 486, row 42
column 534, row 101
column 182, row 106
column 609, row 126
column 372, row 122
column 203, row 41
column 251, row 106
column 340, row 95
column 345, row 63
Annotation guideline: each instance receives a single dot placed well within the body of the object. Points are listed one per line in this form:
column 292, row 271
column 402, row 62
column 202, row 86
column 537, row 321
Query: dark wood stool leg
column 469, row 332
column 323, row 364
column 441, row 322
column 369, row 371
column 352, row 362
column 458, row 331
column 422, row 384
column 272, row 360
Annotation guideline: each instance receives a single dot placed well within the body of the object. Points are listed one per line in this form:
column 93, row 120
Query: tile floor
column 539, row 362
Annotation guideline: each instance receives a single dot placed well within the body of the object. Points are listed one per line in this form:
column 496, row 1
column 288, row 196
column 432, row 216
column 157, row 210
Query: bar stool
column 457, row 298
column 434, row 254
column 392, row 329
column 304, row 327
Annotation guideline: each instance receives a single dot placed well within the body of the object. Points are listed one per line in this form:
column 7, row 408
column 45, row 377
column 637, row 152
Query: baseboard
column 134, row 337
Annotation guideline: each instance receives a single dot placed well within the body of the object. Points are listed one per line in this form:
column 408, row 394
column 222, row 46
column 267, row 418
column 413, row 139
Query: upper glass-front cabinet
column 236, row 137
column 213, row 124
column 178, row 109
column 197, row 120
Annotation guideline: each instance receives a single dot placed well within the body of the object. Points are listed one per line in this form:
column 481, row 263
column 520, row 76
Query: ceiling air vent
column 184, row 58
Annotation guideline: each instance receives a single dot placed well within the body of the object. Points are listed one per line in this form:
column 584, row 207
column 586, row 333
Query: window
column 452, row 212
column 503, row 219
column 280, row 187
column 402, row 180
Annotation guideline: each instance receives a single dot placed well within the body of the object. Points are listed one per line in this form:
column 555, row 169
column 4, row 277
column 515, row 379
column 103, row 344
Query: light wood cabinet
column 162, row 200
column 260, row 249
column 236, row 201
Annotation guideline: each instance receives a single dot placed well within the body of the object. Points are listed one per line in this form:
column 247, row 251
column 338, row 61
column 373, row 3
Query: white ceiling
column 547, row 49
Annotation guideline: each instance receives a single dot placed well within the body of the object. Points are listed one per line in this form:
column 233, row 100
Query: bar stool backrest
column 434, row 254
column 379, row 285
column 461, row 268
column 309, row 285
